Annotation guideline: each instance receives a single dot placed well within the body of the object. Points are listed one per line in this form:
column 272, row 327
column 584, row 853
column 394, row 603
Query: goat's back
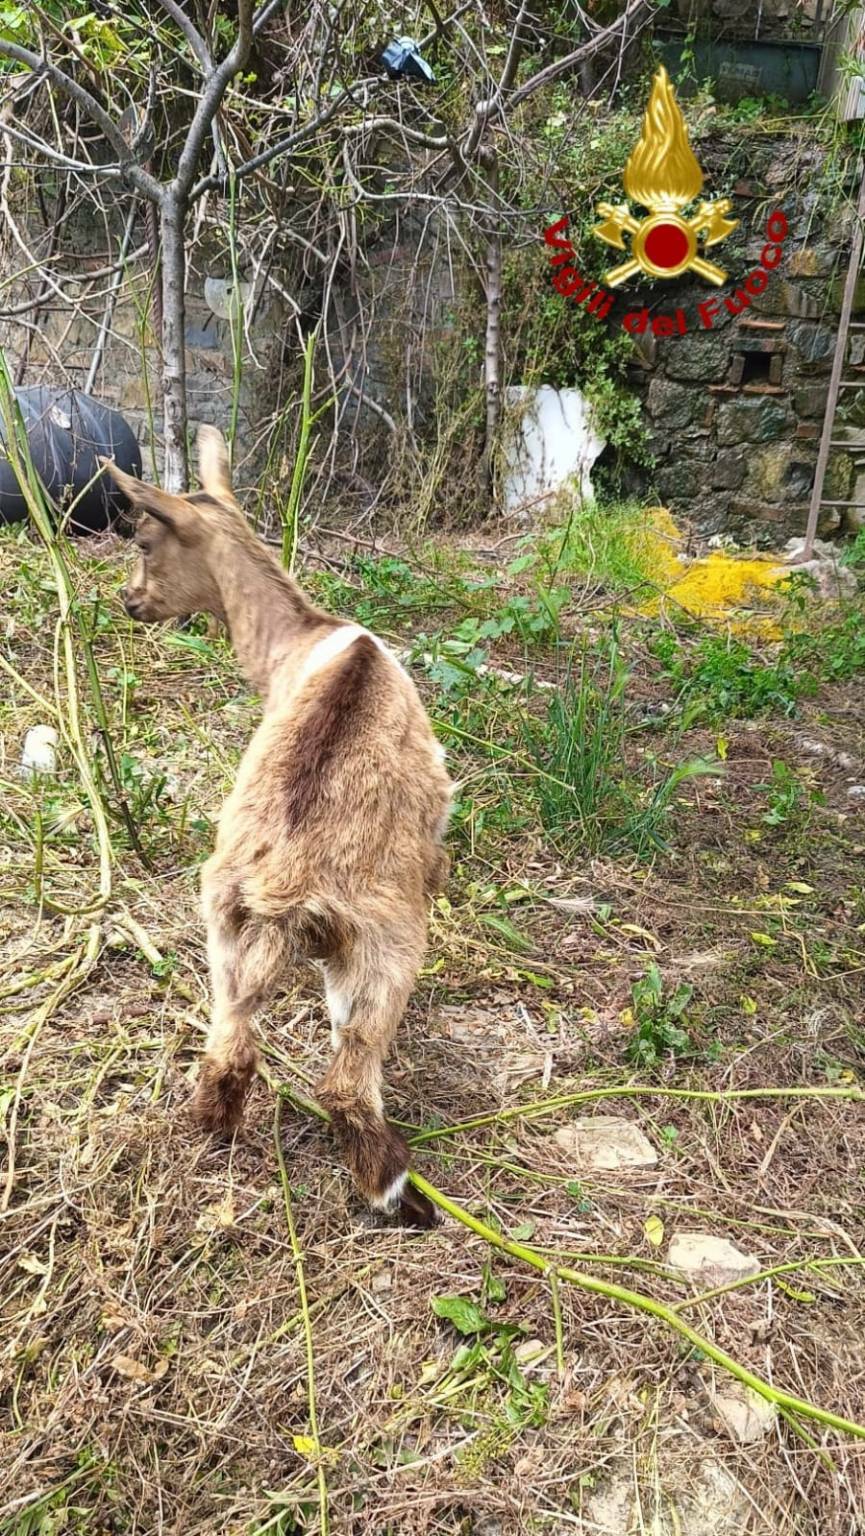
column 342, row 796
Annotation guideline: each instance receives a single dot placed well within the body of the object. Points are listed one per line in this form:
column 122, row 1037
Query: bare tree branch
column 214, row 90
column 191, row 33
column 587, row 50
column 140, row 179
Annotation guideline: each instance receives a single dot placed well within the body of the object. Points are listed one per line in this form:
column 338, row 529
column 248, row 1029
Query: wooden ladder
column 837, row 382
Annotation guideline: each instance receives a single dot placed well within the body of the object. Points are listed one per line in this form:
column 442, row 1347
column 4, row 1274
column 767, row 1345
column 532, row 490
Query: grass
column 206, row 1338
column 588, row 797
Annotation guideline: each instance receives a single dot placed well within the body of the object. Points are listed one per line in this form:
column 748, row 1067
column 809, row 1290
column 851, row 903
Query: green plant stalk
column 39, row 862
column 785, row 1401
column 290, row 521
column 82, row 963
column 635, row 1090
column 143, row 328
column 553, row 1278
column 235, row 319
column 17, row 449
column 304, row 1307
column 22, row 682
column 834, row 1262
column 494, row 750
column 111, row 758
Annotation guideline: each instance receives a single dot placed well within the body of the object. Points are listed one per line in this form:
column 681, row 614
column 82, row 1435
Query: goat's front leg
column 365, row 1010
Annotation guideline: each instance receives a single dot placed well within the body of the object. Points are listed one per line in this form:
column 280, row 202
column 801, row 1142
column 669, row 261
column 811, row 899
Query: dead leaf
column 641, row 933
column 133, row 1370
column 218, row 1216
column 31, row 1265
column 572, row 903
column 654, row 1230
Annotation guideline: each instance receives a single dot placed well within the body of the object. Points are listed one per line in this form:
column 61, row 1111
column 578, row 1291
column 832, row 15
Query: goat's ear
column 213, row 467
column 172, row 511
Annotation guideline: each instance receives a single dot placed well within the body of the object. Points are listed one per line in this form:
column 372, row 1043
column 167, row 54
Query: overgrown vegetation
column 631, row 892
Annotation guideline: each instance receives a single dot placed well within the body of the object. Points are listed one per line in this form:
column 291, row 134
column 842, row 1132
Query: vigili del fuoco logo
column 663, row 175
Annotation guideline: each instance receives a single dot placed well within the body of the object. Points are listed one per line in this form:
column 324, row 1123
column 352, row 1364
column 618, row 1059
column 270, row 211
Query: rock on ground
column 711, row 1504
column 607, row 1142
column 710, row 1260
column 832, row 580
column 745, row 1415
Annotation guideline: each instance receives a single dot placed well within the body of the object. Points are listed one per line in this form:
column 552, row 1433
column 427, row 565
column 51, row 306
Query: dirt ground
column 159, row 1371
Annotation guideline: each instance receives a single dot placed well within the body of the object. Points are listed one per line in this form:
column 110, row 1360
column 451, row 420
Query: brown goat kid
column 330, row 844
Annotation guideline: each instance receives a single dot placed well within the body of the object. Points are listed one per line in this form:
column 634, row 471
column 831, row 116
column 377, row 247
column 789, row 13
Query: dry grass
column 154, row 1370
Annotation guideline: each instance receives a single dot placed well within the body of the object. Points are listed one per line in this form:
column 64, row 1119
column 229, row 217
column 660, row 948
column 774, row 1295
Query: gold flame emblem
column 663, row 175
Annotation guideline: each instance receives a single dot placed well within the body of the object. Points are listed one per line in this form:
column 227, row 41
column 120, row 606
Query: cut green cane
column 787, row 1403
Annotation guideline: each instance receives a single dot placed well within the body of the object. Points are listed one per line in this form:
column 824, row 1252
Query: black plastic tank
column 67, row 433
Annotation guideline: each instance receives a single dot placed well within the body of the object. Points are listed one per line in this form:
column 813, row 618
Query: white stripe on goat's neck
column 325, row 651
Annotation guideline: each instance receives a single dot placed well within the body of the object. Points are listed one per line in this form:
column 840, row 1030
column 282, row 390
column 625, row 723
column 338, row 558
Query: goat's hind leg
column 366, row 1003
column 228, row 1067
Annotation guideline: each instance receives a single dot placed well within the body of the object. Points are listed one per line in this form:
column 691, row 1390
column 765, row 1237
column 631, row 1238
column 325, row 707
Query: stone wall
column 383, row 326
column 55, row 346
column 735, row 413
column 768, row 19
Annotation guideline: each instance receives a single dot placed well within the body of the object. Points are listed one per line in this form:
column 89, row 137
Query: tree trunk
column 176, row 473
column 493, row 350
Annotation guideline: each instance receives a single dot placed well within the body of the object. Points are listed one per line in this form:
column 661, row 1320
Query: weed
column 786, row 795
column 659, row 1016
column 586, row 792
column 602, row 539
column 835, row 653
column 720, row 679
column 854, row 554
column 485, row 1374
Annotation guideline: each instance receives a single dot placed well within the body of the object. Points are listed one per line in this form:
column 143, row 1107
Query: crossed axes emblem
column 665, row 244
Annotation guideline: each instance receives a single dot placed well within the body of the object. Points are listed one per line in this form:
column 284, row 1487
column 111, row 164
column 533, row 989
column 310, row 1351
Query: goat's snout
column 132, row 605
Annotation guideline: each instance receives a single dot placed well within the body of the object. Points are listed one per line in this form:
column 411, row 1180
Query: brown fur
column 333, row 717
column 329, row 844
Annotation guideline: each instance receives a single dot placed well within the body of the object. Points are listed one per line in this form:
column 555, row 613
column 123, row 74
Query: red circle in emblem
column 666, row 245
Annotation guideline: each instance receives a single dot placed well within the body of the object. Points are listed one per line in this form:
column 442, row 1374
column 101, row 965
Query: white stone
column 549, row 443
column 40, row 750
column 832, row 579
column 709, row 1260
column 822, row 749
column 226, row 298
column 609, row 1510
column 856, row 792
column 607, row 1142
column 744, row 1413
column 715, row 1505
column 710, row 1504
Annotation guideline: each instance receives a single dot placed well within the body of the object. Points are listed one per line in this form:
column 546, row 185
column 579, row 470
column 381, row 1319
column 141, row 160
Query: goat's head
column 173, row 572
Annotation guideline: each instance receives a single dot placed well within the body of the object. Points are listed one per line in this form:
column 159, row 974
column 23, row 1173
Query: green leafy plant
column 833, row 653
column 786, row 794
column 660, row 1017
column 486, row 1374
column 720, row 678
column 587, row 794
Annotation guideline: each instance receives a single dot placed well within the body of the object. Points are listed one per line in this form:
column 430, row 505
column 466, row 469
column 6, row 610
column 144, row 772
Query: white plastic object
column 549, row 443
column 40, row 750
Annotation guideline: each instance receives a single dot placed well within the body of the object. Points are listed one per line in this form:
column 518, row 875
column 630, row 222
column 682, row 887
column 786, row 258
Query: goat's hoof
column 217, row 1104
column 415, row 1210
